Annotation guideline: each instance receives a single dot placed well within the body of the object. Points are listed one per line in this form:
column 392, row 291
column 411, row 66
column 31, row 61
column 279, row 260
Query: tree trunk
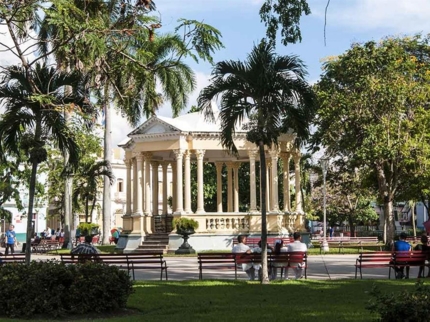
column 31, row 192
column 386, row 194
column 412, row 206
column 68, row 211
column 265, row 271
column 86, row 210
column 106, row 183
column 351, row 226
column 390, row 223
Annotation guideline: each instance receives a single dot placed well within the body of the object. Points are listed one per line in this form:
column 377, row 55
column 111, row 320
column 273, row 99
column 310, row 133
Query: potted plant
column 185, row 227
column 88, row 228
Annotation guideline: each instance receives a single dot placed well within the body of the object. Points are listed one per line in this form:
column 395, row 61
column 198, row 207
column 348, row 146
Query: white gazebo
column 163, row 142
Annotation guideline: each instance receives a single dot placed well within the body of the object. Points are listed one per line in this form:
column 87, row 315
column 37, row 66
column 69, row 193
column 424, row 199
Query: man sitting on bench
column 241, row 247
column 297, row 246
column 401, row 246
column 87, row 249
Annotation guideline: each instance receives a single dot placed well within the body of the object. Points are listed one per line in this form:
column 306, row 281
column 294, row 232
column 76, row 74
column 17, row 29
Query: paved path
column 321, row 267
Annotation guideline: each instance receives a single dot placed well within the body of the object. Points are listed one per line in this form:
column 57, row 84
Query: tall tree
column 272, row 92
column 374, row 112
column 34, row 101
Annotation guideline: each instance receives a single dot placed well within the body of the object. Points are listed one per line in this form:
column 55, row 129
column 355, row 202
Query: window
column 120, row 185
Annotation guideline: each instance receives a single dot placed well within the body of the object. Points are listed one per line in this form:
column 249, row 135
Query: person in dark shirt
column 425, row 249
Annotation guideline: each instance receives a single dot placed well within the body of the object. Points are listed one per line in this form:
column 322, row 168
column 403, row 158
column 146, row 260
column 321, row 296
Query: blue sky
column 348, row 21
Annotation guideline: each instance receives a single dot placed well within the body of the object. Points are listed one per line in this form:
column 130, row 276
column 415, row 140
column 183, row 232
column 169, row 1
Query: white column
column 179, row 198
column 165, row 187
column 174, row 179
column 268, row 186
column 229, row 188
column 154, row 165
column 296, row 158
column 219, row 185
column 236, row 186
column 139, row 159
column 253, row 196
column 135, row 183
column 187, row 183
column 200, row 197
column 128, row 164
column 274, row 177
column 148, row 157
column 286, row 166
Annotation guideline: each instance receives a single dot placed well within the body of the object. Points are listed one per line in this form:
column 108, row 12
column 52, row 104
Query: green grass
column 304, row 300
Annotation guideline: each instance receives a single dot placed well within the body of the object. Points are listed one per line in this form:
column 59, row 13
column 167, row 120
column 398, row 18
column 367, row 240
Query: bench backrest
column 253, row 241
column 15, row 258
column 410, row 256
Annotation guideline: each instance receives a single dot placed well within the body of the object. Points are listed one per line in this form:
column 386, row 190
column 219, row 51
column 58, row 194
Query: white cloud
column 396, row 16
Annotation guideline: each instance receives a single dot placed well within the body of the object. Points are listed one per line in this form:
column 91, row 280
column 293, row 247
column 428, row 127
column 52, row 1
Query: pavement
column 320, row 267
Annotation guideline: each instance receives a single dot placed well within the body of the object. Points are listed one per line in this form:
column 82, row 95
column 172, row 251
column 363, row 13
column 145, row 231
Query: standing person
column 298, row 246
column 241, row 247
column 10, row 240
column 401, row 245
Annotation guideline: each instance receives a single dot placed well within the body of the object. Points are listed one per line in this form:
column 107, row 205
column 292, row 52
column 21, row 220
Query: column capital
column 252, row 154
column 178, row 154
column 274, row 153
column 155, row 163
column 147, row 155
column 138, row 156
column 187, row 154
column 164, row 164
column 200, row 154
column 229, row 164
column 285, row 155
column 128, row 163
column 236, row 165
column 219, row 165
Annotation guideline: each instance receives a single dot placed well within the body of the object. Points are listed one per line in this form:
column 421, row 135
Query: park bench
column 232, row 261
column 216, row 261
column 403, row 259
column 12, row 258
column 46, row 245
column 253, row 241
column 381, row 259
column 352, row 242
column 129, row 262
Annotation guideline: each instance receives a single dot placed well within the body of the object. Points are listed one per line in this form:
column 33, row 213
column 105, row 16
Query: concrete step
column 153, row 246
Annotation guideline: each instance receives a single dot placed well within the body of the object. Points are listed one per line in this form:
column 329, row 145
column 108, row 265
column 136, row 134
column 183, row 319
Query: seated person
column 297, row 246
column 424, row 248
column 279, row 248
column 401, row 245
column 258, row 250
column 86, row 248
column 241, row 247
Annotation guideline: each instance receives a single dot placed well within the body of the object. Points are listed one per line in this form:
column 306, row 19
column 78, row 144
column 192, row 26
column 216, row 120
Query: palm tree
column 88, row 180
column 34, row 101
column 270, row 91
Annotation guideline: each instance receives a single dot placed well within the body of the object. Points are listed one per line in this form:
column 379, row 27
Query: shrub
column 185, row 224
column 54, row 289
column 88, row 228
column 403, row 306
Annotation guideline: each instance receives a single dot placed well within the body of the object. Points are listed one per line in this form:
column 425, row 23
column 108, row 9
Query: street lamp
column 324, row 166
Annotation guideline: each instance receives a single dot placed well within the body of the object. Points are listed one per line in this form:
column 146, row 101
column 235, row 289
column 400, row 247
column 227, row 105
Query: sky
column 348, row 22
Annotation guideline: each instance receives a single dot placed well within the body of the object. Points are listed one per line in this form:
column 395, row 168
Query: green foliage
column 55, row 289
column 183, row 223
column 373, row 112
column 403, row 306
column 87, row 228
column 285, row 14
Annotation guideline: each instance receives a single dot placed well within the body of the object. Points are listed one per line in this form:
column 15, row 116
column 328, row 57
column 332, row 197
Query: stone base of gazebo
column 216, row 231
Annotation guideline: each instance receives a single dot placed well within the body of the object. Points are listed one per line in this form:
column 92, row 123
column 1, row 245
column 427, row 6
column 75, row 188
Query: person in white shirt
column 241, row 247
column 297, row 246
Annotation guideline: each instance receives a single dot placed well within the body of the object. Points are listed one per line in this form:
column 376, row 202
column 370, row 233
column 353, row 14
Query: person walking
column 10, row 240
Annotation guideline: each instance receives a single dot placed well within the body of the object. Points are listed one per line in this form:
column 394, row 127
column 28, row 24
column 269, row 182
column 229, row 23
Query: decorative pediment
column 155, row 126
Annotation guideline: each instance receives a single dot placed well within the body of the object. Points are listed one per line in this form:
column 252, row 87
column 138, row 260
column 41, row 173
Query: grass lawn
column 304, row 300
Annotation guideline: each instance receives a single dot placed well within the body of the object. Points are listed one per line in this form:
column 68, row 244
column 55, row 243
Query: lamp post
column 324, row 166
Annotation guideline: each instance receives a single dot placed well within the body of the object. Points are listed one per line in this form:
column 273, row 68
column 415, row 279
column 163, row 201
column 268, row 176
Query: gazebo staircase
column 158, row 242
